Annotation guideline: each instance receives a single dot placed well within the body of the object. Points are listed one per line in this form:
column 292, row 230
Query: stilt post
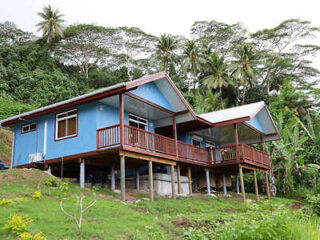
column 173, row 188
column 224, row 185
column 82, row 173
column 49, row 169
column 267, row 186
column 150, row 181
column 256, row 185
column 208, row 181
column 237, row 184
column 179, row 180
column 123, row 178
column 138, row 179
column 242, row 183
column 190, row 180
column 113, row 178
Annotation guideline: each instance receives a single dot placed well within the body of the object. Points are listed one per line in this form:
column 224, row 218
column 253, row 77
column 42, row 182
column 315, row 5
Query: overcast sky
column 156, row 17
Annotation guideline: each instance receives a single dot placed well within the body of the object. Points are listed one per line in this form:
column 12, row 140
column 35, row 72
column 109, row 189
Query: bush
column 51, row 182
column 5, row 201
column 313, row 201
column 64, row 187
column 37, row 195
column 17, row 224
column 29, row 236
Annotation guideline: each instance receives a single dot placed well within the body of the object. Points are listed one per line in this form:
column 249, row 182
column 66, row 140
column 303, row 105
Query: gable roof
column 98, row 94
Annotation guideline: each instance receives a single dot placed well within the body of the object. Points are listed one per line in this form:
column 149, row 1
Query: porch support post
column 224, row 185
column 113, row 178
column 123, row 178
column 82, row 173
column 173, row 187
column 236, row 140
column 256, row 185
column 138, row 179
column 179, row 179
column 242, row 183
column 190, row 180
column 121, row 117
column 150, row 181
column 237, row 184
column 174, row 124
column 267, row 186
column 208, row 181
column 262, row 143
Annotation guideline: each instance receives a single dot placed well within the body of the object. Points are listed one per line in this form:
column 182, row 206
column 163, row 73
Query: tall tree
column 218, row 74
column 51, row 26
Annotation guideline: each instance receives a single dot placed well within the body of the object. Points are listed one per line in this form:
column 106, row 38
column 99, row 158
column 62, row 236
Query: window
column 196, row 141
column 66, row 124
column 138, row 122
column 29, row 127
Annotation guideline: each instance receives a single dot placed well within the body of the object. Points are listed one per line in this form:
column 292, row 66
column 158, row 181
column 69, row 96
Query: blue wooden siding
column 256, row 124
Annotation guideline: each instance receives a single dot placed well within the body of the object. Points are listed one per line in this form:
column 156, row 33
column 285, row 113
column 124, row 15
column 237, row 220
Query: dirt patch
column 183, row 223
column 297, row 205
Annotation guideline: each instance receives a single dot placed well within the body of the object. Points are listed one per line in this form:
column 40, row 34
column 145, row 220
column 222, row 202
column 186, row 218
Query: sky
column 157, row 17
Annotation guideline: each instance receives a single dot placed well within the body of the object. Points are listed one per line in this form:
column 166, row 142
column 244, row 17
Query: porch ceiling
column 137, row 107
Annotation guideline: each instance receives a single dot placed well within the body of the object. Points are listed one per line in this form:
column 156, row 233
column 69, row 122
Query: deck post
column 179, row 179
column 138, row 179
column 82, row 173
column 256, row 185
column 236, row 139
column 173, row 187
column 150, row 181
column 121, row 117
column 174, row 124
column 242, row 184
column 237, row 184
column 190, row 180
column 224, row 185
column 123, row 178
column 262, row 143
column 113, row 178
column 208, row 181
column 267, row 186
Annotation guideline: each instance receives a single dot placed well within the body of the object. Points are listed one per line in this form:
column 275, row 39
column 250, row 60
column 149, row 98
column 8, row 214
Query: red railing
column 152, row 142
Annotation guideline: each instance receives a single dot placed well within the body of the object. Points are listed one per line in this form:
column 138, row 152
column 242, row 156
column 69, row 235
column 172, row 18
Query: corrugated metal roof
column 249, row 110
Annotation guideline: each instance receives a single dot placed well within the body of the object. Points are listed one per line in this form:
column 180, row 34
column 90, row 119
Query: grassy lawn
column 201, row 217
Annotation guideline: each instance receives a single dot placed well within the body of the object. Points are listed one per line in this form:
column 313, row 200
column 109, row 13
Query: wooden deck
column 153, row 144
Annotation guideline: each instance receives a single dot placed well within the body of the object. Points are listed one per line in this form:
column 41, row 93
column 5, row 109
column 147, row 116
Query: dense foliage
column 221, row 66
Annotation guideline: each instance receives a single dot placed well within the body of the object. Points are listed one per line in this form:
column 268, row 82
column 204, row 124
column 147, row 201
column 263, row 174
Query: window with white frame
column 29, row 127
column 66, row 124
column 138, row 122
column 196, row 140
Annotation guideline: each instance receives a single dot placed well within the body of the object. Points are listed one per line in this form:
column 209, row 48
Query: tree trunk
column 244, row 94
column 220, row 91
column 87, row 71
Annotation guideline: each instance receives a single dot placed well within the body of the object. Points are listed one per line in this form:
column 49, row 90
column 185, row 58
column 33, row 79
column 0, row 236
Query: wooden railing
column 152, row 142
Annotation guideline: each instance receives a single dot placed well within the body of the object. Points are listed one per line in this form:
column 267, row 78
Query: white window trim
column 28, row 125
column 57, row 120
column 197, row 138
column 137, row 121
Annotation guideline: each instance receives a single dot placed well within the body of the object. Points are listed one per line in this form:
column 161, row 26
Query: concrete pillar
column 237, row 184
column 113, row 178
column 138, row 179
column 190, row 180
column 173, row 188
column 178, row 179
column 208, row 181
column 224, row 185
column 82, row 174
column 267, row 186
column 150, row 181
column 242, row 183
column 256, row 185
column 123, row 178
column 49, row 169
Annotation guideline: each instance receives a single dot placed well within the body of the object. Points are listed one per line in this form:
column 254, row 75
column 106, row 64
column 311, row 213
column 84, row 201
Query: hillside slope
column 200, row 217
column 5, row 145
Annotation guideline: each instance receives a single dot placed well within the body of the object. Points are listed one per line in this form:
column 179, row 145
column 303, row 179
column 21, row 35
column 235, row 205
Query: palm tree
column 165, row 52
column 243, row 66
column 218, row 71
column 51, row 24
column 193, row 61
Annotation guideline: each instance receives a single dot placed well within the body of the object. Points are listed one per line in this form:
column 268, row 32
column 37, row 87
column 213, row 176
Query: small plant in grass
column 37, row 195
column 5, row 201
column 29, row 236
column 51, row 182
column 17, row 224
column 313, row 202
column 64, row 187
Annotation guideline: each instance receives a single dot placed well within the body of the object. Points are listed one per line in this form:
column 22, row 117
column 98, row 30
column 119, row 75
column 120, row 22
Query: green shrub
column 17, row 224
column 29, row 236
column 313, row 201
column 51, row 182
column 37, row 195
column 64, row 187
column 5, row 201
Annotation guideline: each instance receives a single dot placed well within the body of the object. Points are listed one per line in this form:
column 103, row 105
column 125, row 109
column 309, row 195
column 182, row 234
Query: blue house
column 146, row 127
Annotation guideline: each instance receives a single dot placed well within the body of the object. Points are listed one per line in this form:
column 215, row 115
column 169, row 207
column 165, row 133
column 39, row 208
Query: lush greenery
column 198, row 217
column 221, row 66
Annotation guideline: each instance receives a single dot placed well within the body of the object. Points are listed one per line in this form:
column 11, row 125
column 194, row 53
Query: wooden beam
column 190, row 180
column 121, row 112
column 147, row 158
column 253, row 168
column 179, row 179
column 242, row 183
column 256, row 185
column 150, row 181
column 267, row 186
column 123, row 178
column 174, row 125
column 236, row 140
column 173, row 187
column 262, row 143
column 229, row 122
